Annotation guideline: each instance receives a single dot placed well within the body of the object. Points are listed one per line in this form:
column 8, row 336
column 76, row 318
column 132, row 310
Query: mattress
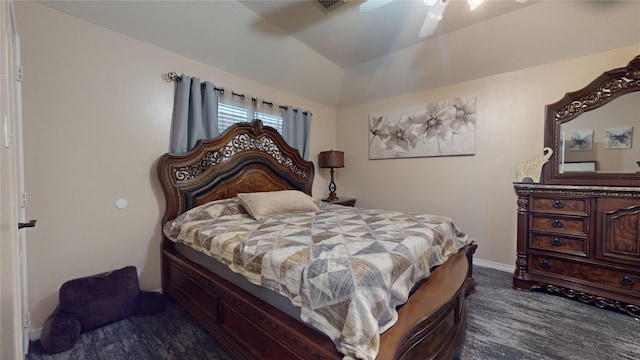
column 272, row 298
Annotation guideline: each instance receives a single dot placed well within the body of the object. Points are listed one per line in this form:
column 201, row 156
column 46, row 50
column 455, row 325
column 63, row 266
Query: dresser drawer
column 619, row 281
column 559, row 244
column 572, row 206
column 559, row 224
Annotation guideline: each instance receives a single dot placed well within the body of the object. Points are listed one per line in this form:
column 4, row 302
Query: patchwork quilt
column 346, row 268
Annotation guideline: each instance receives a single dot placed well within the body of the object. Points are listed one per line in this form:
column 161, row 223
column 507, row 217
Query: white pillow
column 262, row 205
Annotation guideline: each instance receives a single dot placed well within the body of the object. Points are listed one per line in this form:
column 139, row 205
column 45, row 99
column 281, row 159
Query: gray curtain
column 296, row 129
column 195, row 114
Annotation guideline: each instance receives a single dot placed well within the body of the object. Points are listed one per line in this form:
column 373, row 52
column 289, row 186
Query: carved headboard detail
column 247, row 157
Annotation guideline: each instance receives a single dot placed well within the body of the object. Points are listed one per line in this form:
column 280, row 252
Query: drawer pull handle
column 556, row 223
column 557, row 204
column 626, row 280
column 556, row 242
column 545, row 265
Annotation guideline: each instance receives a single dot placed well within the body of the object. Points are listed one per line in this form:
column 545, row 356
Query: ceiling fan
column 434, row 15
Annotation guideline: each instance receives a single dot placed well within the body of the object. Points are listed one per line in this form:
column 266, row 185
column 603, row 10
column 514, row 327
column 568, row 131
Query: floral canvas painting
column 581, row 140
column 442, row 128
column 618, row 138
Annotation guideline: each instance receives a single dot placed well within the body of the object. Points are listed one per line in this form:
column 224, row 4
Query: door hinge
column 23, row 201
column 27, row 320
column 19, row 77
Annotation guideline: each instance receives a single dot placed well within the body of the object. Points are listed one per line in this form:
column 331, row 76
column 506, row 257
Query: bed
column 246, row 319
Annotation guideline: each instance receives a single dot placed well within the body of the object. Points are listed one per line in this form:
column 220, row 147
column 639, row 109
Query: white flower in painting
column 465, row 118
column 434, row 122
column 376, row 126
column 400, row 137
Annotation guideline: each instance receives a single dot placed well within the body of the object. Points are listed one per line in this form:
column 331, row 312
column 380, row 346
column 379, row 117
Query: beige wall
column 97, row 114
column 477, row 190
column 96, row 119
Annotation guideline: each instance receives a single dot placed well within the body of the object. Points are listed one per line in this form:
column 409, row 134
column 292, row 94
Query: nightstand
column 342, row 201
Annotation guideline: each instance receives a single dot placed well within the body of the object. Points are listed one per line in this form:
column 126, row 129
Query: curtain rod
column 172, row 76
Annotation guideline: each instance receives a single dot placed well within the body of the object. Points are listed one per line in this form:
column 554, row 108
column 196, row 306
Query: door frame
column 13, row 319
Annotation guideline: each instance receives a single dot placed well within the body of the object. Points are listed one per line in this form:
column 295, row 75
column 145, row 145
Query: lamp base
column 332, row 189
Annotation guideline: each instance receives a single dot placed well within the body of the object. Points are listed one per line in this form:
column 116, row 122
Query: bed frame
column 250, row 157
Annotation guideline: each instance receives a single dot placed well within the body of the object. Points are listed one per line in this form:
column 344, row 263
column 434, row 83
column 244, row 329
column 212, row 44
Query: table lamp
column 331, row 159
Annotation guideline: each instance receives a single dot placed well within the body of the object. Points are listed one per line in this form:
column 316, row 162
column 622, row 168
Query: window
column 229, row 115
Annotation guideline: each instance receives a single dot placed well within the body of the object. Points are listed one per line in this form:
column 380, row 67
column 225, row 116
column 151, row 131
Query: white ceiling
column 341, row 58
column 349, row 38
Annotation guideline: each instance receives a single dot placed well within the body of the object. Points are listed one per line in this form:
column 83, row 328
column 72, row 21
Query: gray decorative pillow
column 100, row 299
column 90, row 302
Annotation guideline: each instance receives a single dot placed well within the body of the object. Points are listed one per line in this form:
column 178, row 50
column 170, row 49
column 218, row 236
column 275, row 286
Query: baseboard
column 494, row 265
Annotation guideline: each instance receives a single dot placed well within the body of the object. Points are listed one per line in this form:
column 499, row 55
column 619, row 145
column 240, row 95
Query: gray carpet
column 502, row 324
column 171, row 334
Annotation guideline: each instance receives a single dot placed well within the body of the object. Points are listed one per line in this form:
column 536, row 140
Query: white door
column 12, row 321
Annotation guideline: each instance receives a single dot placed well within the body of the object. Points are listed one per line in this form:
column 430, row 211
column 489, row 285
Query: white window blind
column 230, row 114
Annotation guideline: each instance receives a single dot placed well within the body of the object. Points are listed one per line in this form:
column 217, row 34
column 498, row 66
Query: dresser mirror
column 595, row 132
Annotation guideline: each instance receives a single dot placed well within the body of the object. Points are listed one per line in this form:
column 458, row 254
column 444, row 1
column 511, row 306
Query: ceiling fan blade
column 369, row 5
column 433, row 18
column 429, row 26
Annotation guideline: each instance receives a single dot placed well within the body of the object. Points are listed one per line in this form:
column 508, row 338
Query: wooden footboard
column 431, row 324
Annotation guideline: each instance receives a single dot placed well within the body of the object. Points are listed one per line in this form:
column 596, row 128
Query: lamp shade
column 331, row 159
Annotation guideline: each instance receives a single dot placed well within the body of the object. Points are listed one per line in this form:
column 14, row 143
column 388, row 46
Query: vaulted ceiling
column 349, row 38
column 344, row 57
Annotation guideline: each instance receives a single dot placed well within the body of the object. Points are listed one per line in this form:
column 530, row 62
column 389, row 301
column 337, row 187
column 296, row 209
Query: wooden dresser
column 579, row 231
column 580, row 241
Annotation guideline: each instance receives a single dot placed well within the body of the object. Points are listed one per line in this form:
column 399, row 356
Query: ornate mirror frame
column 605, row 88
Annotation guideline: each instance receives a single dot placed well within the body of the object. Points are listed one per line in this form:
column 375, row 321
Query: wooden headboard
column 247, row 157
